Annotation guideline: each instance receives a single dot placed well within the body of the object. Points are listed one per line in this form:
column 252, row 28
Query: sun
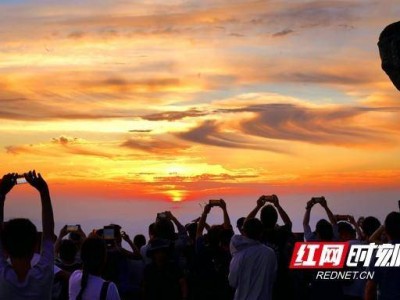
column 176, row 195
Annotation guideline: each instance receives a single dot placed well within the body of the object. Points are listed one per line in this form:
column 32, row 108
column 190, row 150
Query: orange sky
column 183, row 101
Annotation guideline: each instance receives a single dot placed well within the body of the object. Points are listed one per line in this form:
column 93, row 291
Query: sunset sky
column 133, row 107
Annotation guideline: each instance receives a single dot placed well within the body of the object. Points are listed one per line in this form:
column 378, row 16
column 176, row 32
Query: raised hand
column 125, row 236
column 36, row 181
column 207, row 208
column 261, row 201
column 7, row 183
column 323, row 202
column 275, row 200
column 222, row 204
column 63, row 231
column 310, row 204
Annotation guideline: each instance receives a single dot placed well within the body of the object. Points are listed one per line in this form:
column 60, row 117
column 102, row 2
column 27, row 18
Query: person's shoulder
column 75, row 276
column 266, row 250
column 112, row 291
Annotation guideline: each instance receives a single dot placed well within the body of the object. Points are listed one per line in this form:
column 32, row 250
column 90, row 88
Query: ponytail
column 84, row 282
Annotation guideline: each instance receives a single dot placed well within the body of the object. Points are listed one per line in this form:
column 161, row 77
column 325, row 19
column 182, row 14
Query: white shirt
column 252, row 270
column 93, row 288
column 38, row 281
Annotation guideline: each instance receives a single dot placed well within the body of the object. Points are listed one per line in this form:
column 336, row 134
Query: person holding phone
column 20, row 280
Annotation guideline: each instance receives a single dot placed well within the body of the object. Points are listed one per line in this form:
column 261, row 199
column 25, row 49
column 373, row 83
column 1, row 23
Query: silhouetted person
column 87, row 284
column 163, row 279
column 213, row 256
column 254, row 266
column 324, row 231
column 18, row 238
column 386, row 279
column 239, row 224
column 280, row 239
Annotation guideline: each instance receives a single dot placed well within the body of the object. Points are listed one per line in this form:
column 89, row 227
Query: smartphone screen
column 108, row 233
column 214, row 202
column 72, row 228
column 21, row 180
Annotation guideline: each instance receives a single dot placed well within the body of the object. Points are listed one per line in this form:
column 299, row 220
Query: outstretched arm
column 306, row 219
column 202, row 221
column 40, row 185
column 259, row 205
column 227, row 221
column 179, row 226
column 352, row 221
column 6, row 184
column 282, row 213
column 329, row 213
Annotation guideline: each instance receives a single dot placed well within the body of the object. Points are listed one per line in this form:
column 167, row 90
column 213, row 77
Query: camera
column 109, row 233
column 73, row 228
column 214, row 202
column 21, row 179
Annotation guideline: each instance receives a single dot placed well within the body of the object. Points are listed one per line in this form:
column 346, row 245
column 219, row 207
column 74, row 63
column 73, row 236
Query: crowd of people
column 176, row 261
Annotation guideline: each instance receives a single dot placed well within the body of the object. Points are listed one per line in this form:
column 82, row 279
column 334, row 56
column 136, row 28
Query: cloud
column 60, row 146
column 337, row 125
column 283, row 32
column 174, row 115
column 341, row 125
column 211, row 133
column 140, row 130
column 158, row 145
column 206, row 177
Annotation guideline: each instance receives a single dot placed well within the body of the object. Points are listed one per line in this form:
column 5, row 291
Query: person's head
column 152, row 230
column 68, row 251
column 159, row 251
column 192, row 230
column 164, row 229
column 117, row 233
column 324, row 230
column 225, row 238
column 360, row 221
column 370, row 225
column 392, row 226
column 93, row 256
column 139, row 240
column 214, row 235
column 239, row 224
column 253, row 229
column 19, row 238
column 269, row 216
column 346, row 231
column 389, row 49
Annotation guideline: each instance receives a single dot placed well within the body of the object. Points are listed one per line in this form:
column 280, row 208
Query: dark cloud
column 283, row 33
column 204, row 178
column 314, row 125
column 333, row 125
column 63, row 140
column 174, row 115
column 76, row 35
column 211, row 133
column 155, row 145
column 36, row 110
column 140, row 130
column 58, row 147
